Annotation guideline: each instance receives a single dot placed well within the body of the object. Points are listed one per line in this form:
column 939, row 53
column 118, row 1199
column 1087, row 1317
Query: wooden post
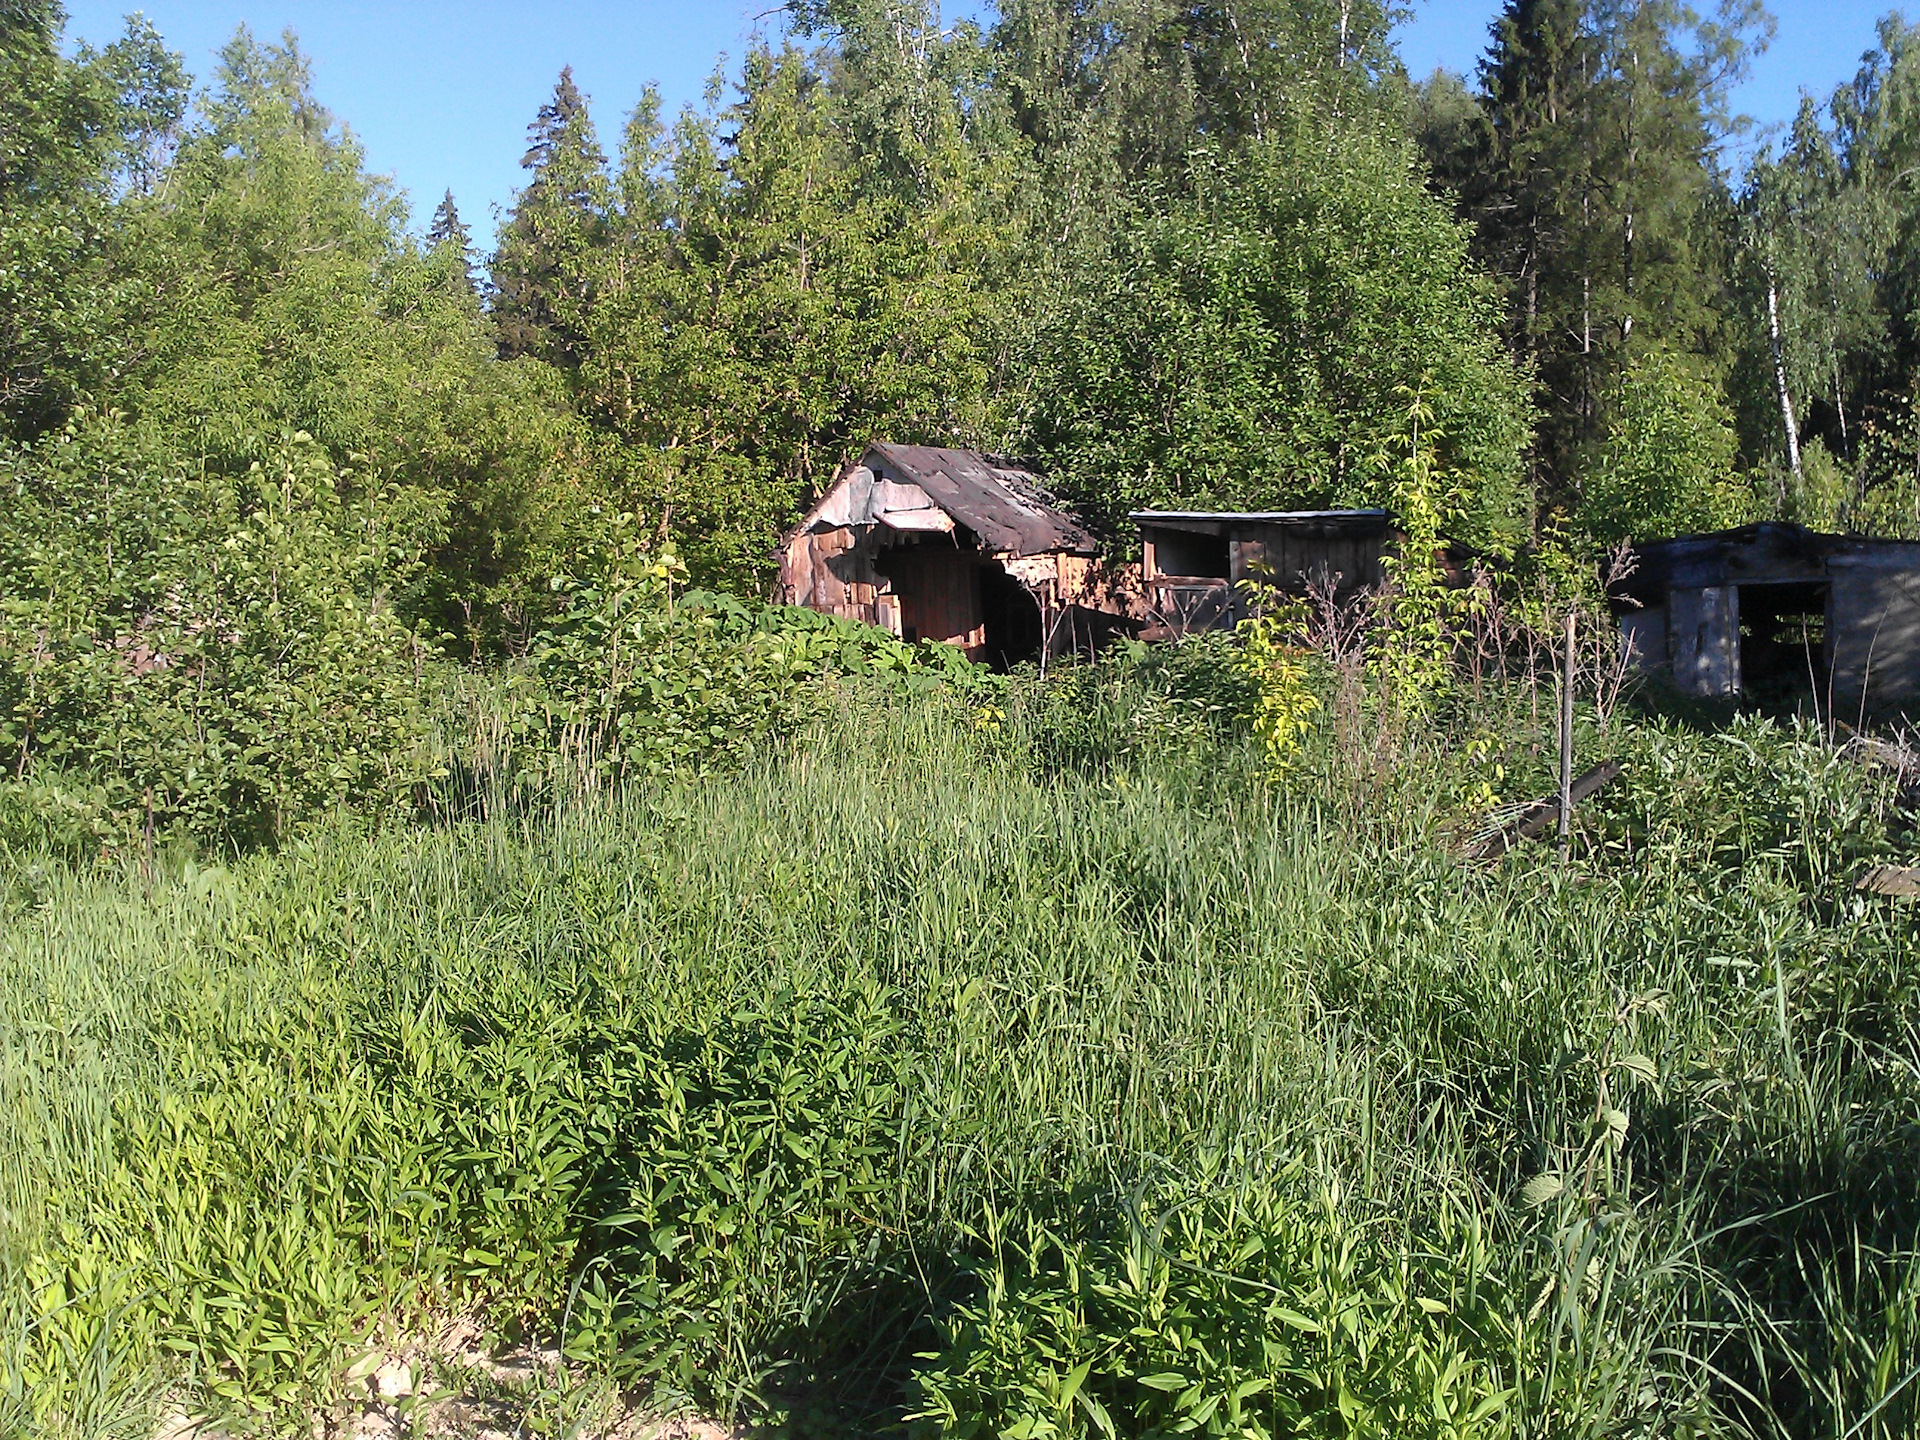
column 1566, row 739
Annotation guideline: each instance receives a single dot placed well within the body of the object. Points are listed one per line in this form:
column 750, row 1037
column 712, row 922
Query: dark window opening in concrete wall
column 1012, row 616
column 1783, row 641
column 1191, row 556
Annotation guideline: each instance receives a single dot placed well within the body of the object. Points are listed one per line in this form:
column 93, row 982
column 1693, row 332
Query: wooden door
column 939, row 594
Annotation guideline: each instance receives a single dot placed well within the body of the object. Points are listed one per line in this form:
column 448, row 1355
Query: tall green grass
column 1027, row 1070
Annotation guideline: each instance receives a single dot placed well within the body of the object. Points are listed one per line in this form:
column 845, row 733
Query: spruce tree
column 449, row 239
column 448, row 226
column 541, row 286
column 1598, row 196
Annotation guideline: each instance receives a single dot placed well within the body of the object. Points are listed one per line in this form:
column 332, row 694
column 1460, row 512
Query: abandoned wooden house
column 956, row 546
column 1192, row 561
column 1775, row 610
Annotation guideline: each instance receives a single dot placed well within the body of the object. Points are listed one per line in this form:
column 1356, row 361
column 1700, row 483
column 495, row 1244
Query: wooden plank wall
column 935, row 591
column 829, row 571
column 1292, row 552
column 939, row 594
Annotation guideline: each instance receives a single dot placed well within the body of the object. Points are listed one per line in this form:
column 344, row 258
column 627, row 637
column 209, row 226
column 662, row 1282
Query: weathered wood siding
column 1290, row 554
column 830, row 571
column 939, row 594
column 1294, row 556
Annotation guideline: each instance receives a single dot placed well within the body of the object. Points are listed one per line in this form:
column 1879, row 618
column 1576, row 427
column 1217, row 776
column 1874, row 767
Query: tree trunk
column 1780, row 377
column 1840, row 404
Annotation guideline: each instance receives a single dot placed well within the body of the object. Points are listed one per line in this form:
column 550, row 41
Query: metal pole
column 1566, row 739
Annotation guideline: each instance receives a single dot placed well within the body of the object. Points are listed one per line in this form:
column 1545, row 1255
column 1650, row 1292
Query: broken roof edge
column 1759, row 529
column 1005, row 505
column 902, row 454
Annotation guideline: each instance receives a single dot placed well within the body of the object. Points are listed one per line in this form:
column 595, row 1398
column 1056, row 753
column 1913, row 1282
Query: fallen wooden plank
column 1900, row 880
column 1543, row 814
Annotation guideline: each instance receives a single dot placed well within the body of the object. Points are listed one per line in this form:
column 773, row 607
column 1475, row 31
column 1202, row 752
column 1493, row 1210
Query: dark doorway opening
column 1783, row 643
column 1187, row 555
column 1012, row 615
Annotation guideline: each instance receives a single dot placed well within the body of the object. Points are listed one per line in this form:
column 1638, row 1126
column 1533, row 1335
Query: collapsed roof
column 924, row 489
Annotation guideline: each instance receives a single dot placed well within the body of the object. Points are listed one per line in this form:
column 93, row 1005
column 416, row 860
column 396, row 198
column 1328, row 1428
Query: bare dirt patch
column 452, row 1386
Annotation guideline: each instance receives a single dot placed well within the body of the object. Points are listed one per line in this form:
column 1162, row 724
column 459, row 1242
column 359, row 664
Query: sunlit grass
column 839, row 1021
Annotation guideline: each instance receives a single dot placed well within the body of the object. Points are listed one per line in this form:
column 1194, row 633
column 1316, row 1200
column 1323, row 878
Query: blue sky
column 440, row 92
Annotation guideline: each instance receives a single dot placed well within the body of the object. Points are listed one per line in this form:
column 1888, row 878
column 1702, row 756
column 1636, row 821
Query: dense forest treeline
column 1195, row 253
column 269, row 453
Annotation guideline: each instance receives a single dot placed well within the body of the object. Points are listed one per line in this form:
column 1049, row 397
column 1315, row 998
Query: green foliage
column 1280, row 676
column 1236, row 1302
column 1594, row 187
column 739, row 1235
column 634, row 679
column 1173, row 709
column 833, row 1090
column 807, row 1025
column 771, row 298
column 218, row 654
column 253, row 280
column 1666, row 464
column 1415, row 655
column 540, row 273
column 1111, row 92
column 1756, row 790
column 71, row 131
column 1887, row 484
column 1246, row 347
column 1820, row 497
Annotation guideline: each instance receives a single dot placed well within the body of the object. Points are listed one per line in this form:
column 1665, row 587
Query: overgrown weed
column 935, row 1057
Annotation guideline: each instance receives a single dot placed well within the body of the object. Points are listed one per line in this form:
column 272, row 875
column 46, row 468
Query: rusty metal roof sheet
column 1004, row 505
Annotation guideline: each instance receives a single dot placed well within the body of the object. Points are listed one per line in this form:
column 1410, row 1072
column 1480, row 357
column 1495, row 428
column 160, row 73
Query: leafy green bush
column 1216, row 1307
column 746, row 1190
column 1165, row 705
column 1760, row 793
column 635, row 680
column 1666, row 464
column 215, row 652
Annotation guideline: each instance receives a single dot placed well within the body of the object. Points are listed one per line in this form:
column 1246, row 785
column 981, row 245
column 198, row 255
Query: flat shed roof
column 1263, row 516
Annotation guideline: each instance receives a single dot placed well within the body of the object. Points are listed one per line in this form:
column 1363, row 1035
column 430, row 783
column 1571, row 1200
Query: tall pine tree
column 541, row 271
column 449, row 240
column 1597, row 195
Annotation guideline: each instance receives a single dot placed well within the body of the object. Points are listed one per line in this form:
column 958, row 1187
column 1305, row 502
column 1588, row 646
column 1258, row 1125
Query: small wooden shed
column 955, row 546
column 1774, row 609
column 1191, row 560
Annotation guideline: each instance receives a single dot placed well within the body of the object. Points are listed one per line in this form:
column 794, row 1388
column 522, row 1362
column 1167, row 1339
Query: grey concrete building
column 1772, row 610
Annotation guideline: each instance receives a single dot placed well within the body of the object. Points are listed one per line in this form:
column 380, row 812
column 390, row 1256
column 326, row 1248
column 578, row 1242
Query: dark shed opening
column 1012, row 617
column 1783, row 649
column 1196, row 557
